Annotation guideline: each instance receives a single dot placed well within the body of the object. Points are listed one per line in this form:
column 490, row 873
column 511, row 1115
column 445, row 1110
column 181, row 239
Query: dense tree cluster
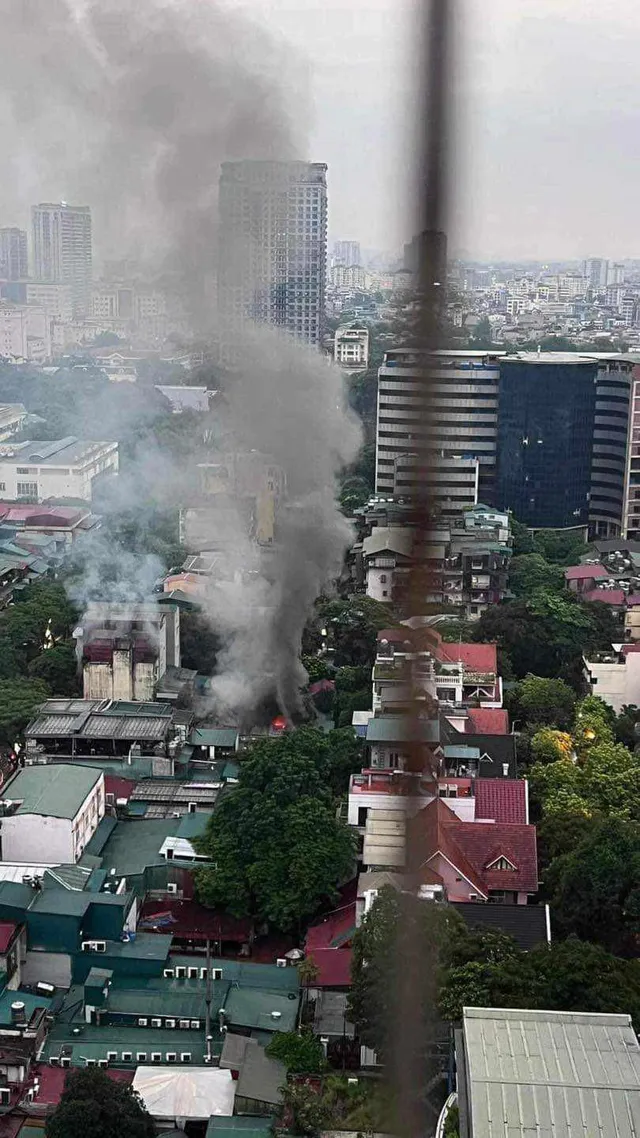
column 93, row 1104
column 37, row 655
column 278, row 849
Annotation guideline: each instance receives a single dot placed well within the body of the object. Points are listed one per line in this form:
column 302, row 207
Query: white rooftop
column 180, row 1095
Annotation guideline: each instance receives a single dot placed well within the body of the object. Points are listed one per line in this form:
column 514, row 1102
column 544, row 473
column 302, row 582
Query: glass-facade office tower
column 562, row 439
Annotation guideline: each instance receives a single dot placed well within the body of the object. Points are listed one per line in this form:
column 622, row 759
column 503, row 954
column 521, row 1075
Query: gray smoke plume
column 131, row 106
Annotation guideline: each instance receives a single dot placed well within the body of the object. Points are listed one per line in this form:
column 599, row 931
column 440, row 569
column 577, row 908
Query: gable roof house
column 473, row 861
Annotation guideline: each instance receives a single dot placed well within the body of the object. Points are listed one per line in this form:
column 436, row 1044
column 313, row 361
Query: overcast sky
column 548, row 94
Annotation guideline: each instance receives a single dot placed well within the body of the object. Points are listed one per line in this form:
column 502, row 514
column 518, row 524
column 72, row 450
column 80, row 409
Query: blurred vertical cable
column 417, row 1070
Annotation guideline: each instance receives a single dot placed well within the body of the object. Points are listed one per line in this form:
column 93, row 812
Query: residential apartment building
column 596, row 270
column 24, row 332
column 62, row 250
column 449, row 411
column 273, row 243
column 347, row 253
column 55, row 297
column 14, row 263
column 50, row 813
column 66, row 468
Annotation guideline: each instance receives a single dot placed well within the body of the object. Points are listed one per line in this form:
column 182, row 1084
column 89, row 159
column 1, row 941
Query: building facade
column 273, row 246
column 347, row 253
column 450, row 412
column 50, row 813
column 62, row 250
column 14, row 262
column 351, row 348
column 24, row 332
column 67, row 468
column 563, row 422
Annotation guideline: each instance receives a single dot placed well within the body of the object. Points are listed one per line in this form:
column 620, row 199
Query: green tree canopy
column 58, row 667
column 530, row 571
column 19, row 699
column 278, row 848
column 605, row 781
column 543, row 700
column 300, row 1051
column 594, row 888
column 93, row 1104
column 352, row 626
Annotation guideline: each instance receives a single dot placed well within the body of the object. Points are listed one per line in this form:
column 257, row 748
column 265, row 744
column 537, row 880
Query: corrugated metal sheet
column 125, row 727
column 552, row 1074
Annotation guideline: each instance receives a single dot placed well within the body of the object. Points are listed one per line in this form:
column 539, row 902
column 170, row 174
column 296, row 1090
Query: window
column 25, row 470
column 362, row 815
column 27, row 490
column 383, row 578
column 3, row 486
column 502, row 863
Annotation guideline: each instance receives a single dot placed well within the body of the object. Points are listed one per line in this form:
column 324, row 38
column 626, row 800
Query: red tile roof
column 488, row 721
column 7, row 933
column 472, row 846
column 605, row 596
column 585, row 573
column 503, row 799
column 328, row 945
column 334, row 967
column 475, row 657
column 52, row 1080
column 633, row 599
column 191, row 921
column 119, row 787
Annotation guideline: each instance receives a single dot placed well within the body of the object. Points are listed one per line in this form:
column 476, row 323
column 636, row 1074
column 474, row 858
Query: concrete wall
column 32, row 837
column 617, row 684
column 144, row 681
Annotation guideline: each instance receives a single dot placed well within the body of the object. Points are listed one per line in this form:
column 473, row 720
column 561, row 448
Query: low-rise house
column 473, row 861
column 418, row 664
column 615, row 676
column 328, row 947
column 177, row 1097
column 552, row 1073
column 51, row 812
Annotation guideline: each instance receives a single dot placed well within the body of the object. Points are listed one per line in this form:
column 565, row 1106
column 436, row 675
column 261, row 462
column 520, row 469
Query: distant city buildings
column 273, row 241
column 14, row 262
column 62, row 250
column 347, row 253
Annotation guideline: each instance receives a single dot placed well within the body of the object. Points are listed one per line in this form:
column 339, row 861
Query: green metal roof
column 75, row 877
column 193, row 825
column 54, row 789
column 99, row 840
column 16, row 896
column 130, row 707
column 93, row 1042
column 254, row 1007
column 395, row 729
column 146, row 946
column 29, row 999
column 228, row 1126
column 62, row 902
column 135, row 844
column 247, row 974
column 179, row 1002
column 213, row 737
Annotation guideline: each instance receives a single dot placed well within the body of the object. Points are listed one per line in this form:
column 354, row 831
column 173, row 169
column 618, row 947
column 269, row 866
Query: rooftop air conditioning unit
column 281, row 962
column 156, row 1022
column 103, row 1062
column 192, row 973
column 216, row 973
column 168, row 973
column 54, row 1060
column 127, row 1056
column 100, row 945
column 171, row 1056
column 185, row 1056
column 181, row 971
column 169, row 1023
column 172, row 887
column 193, row 806
column 111, row 1055
column 156, row 1056
column 141, row 1056
column 142, row 1021
column 65, row 1061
